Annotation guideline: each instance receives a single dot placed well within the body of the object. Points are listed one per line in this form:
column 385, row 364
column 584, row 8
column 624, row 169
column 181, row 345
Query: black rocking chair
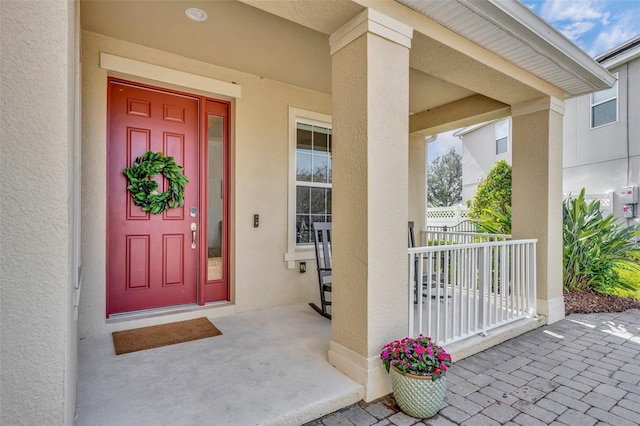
column 322, row 243
column 425, row 277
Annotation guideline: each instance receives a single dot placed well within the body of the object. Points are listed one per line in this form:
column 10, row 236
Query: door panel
column 150, row 259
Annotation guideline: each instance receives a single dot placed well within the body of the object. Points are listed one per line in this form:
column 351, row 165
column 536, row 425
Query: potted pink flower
column 418, row 374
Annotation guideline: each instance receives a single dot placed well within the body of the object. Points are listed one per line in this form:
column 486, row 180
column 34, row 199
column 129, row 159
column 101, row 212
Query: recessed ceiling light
column 196, row 14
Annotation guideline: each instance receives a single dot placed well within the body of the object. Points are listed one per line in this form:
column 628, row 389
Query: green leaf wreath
column 145, row 191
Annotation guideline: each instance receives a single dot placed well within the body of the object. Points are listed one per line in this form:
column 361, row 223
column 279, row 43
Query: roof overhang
column 621, row 54
column 512, row 31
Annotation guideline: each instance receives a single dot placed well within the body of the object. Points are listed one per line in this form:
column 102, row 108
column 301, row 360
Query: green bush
column 595, row 247
column 494, row 222
column 494, row 193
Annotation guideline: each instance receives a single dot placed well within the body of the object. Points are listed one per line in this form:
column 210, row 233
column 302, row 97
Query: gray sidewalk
column 583, row 371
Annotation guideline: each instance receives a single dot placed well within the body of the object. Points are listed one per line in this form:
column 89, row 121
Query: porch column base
column 369, row 372
column 553, row 309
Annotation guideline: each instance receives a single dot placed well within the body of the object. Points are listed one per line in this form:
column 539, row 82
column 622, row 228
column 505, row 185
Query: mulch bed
column 589, row 301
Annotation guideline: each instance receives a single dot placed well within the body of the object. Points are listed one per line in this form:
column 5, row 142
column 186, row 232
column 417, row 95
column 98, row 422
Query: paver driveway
column 583, row 371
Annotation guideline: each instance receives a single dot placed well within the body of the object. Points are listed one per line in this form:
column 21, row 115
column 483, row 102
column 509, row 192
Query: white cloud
column 577, row 29
column 595, row 25
column 573, row 11
column 622, row 27
column 609, row 39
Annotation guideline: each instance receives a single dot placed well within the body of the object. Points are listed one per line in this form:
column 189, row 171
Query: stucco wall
column 371, row 197
column 260, row 277
column 417, row 182
column 536, row 196
column 38, row 344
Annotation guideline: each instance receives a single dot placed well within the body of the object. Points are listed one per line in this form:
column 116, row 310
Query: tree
column 493, row 197
column 444, row 180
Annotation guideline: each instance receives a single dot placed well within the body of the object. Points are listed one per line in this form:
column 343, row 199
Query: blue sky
column 594, row 25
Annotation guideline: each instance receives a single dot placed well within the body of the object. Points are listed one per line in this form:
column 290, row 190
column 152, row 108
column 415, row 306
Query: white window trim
column 294, row 252
column 616, row 97
column 495, row 138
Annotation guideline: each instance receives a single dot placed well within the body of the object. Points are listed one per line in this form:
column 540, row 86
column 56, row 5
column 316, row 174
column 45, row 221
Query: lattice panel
column 606, row 202
column 449, row 216
column 440, row 214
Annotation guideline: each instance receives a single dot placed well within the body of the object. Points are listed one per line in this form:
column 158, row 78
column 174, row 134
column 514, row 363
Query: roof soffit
column 513, row 32
column 444, row 54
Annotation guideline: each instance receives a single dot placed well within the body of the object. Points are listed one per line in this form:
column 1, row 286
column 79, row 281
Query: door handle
column 194, row 227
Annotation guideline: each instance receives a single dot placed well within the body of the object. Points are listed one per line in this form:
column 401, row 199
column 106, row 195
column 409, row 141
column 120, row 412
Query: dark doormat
column 155, row 336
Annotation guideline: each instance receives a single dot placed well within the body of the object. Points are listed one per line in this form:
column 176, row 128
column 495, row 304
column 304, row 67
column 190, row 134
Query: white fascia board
column 622, row 59
column 522, row 23
column 465, row 130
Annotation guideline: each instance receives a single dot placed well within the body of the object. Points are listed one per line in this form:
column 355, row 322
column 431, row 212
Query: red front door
column 151, row 261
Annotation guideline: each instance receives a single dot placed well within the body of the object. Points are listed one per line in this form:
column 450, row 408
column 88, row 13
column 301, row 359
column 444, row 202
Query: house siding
column 606, row 158
column 595, row 159
column 478, row 157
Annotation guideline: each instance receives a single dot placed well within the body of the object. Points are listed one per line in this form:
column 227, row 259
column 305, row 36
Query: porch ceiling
column 242, row 37
column 499, row 50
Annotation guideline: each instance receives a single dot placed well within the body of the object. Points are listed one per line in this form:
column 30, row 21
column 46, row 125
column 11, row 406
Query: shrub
column 494, row 193
column 495, row 222
column 594, row 247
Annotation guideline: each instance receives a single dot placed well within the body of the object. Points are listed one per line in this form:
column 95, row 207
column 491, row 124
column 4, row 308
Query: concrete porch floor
column 268, row 368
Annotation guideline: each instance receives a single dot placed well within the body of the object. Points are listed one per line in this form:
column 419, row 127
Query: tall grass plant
column 595, row 247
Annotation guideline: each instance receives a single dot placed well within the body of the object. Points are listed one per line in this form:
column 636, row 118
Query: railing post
column 484, row 273
column 419, row 291
column 533, row 284
column 411, row 291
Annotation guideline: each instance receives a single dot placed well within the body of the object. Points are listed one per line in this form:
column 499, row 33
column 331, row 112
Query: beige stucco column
column 370, row 72
column 417, row 182
column 39, row 206
column 537, row 194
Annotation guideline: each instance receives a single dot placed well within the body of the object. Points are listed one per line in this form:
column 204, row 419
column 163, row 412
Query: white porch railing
column 447, row 237
column 469, row 289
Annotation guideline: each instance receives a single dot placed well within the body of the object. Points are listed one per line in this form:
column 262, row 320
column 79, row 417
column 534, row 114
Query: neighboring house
column 483, row 145
column 601, row 144
column 282, row 113
column 601, row 138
